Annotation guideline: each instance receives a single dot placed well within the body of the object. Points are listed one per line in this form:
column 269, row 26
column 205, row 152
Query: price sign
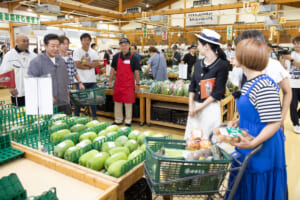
column 254, row 8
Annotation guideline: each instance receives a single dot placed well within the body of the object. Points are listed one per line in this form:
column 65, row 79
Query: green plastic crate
column 48, row 195
column 7, row 153
column 11, row 188
column 169, row 174
column 88, row 97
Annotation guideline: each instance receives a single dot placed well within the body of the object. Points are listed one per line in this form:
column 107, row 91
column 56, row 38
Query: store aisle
column 292, row 147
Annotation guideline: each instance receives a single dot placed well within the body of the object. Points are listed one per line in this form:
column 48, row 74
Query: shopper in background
column 50, row 62
column 3, row 52
column 35, row 50
column 107, row 57
column 134, row 51
column 176, row 58
column 260, row 114
column 271, row 52
column 274, row 69
column 212, row 73
column 94, row 47
column 190, row 59
column 126, row 67
column 229, row 52
column 18, row 59
column 86, row 59
column 72, row 72
column 158, row 65
column 292, row 63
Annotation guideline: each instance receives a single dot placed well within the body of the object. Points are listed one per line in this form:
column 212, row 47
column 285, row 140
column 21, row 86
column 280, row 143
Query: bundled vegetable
column 228, row 134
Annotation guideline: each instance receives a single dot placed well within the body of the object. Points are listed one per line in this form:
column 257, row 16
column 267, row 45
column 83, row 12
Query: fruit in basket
column 186, row 90
column 141, row 137
column 165, row 89
column 107, row 146
column 112, row 128
column 196, row 134
column 89, row 135
column 78, row 128
column 58, row 135
column 158, row 135
column 115, row 168
column 93, row 123
column 61, row 148
column 193, row 144
column 143, row 147
column 103, row 133
column 58, row 116
column 135, row 154
column 230, row 135
column 87, row 156
column 99, row 138
column 111, row 133
column 97, row 161
column 121, row 141
column 84, row 143
column 125, row 129
column 155, row 88
column 118, row 150
column 81, row 120
column 179, row 90
column 131, row 145
column 205, row 144
column 114, row 158
column 133, row 135
column 70, row 135
column 67, row 155
column 58, row 126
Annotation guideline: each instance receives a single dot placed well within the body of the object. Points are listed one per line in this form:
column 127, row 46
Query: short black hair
column 133, row 45
column 85, row 35
column 270, row 45
column 248, row 35
column 229, row 45
column 3, row 46
column 296, row 39
column 92, row 45
column 49, row 37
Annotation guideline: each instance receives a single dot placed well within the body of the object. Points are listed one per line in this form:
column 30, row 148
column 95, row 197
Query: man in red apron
column 126, row 67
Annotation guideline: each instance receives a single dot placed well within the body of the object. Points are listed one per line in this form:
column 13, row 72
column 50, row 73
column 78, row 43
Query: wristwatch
column 138, row 84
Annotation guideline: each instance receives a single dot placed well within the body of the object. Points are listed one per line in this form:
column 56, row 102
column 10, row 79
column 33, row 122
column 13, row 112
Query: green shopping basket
column 175, row 176
column 88, row 97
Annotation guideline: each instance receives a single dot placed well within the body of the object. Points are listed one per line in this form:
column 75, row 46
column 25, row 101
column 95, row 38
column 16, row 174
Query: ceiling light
column 147, row 5
column 29, row 9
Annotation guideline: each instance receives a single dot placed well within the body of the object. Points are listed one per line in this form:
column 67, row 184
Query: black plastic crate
column 139, row 191
column 136, row 109
column 161, row 114
column 179, row 117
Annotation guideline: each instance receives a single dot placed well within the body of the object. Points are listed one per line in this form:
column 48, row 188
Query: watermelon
column 186, row 90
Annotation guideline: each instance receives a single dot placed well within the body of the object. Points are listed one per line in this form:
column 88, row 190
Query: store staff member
column 49, row 62
column 211, row 72
column 18, row 59
column 190, row 59
column 126, row 67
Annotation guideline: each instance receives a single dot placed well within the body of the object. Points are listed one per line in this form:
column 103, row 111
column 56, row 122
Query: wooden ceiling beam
column 281, row 1
column 86, row 29
column 128, row 4
column 86, row 1
column 81, row 8
column 164, row 4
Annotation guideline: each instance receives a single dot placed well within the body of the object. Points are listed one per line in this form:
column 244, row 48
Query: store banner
column 145, row 30
column 9, row 17
column 8, row 79
column 229, row 32
column 201, row 18
column 183, row 70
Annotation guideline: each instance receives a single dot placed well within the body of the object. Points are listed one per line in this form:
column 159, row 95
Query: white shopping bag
column 183, row 69
column 108, row 67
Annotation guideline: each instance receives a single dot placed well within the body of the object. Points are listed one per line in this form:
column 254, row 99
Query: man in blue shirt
column 134, row 50
column 176, row 58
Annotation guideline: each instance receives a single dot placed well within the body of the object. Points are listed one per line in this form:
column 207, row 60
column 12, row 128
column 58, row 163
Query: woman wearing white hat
column 207, row 85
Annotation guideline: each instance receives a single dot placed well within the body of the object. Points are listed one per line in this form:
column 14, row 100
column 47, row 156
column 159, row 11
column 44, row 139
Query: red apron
column 124, row 88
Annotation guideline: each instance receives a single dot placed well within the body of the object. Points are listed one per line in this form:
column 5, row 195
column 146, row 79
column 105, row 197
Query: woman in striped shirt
column 260, row 114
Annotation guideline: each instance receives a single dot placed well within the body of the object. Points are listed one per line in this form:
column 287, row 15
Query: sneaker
column 129, row 125
column 115, row 123
column 297, row 129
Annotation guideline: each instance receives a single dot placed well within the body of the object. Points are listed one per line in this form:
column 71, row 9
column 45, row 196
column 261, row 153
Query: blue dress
column 265, row 177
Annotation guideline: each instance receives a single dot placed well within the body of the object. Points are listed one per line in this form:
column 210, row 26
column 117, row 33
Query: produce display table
column 173, row 76
column 181, row 104
column 39, row 171
column 139, row 95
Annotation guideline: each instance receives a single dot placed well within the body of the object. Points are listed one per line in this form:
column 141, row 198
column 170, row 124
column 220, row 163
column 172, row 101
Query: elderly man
column 18, row 59
column 49, row 62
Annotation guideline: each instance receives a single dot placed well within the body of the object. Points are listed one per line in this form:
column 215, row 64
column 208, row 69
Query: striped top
column 265, row 98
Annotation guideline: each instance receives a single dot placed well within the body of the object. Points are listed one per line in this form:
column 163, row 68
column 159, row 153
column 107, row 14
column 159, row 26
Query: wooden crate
column 72, row 170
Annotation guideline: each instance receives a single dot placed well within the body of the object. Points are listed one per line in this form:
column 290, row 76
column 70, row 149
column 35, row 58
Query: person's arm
column 283, row 63
column 93, row 64
column 192, row 91
column 289, row 57
column 6, row 67
column 147, row 69
column 287, row 97
column 111, row 76
column 268, row 131
column 81, row 86
column 137, row 80
column 80, row 65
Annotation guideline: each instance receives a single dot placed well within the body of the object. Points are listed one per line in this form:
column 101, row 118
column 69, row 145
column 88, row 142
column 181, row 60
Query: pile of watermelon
column 179, row 88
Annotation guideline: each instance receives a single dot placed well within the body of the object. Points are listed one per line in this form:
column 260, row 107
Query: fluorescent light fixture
column 29, row 9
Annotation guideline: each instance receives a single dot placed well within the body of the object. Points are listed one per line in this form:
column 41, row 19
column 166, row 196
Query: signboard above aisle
column 9, row 17
column 201, row 18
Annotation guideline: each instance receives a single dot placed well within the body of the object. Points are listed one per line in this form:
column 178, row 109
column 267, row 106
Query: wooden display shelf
column 173, row 76
column 72, row 170
column 139, row 95
column 167, row 101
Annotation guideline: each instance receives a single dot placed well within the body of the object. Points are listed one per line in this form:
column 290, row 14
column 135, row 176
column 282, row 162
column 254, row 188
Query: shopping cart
column 202, row 179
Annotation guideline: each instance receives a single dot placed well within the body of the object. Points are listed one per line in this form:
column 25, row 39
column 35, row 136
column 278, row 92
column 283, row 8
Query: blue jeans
column 94, row 108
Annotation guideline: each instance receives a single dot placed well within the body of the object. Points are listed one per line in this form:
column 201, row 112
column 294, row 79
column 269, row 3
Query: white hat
column 210, row 36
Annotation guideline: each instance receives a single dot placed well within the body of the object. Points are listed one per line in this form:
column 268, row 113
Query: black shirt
column 218, row 70
column 134, row 61
column 178, row 58
column 106, row 57
column 190, row 61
